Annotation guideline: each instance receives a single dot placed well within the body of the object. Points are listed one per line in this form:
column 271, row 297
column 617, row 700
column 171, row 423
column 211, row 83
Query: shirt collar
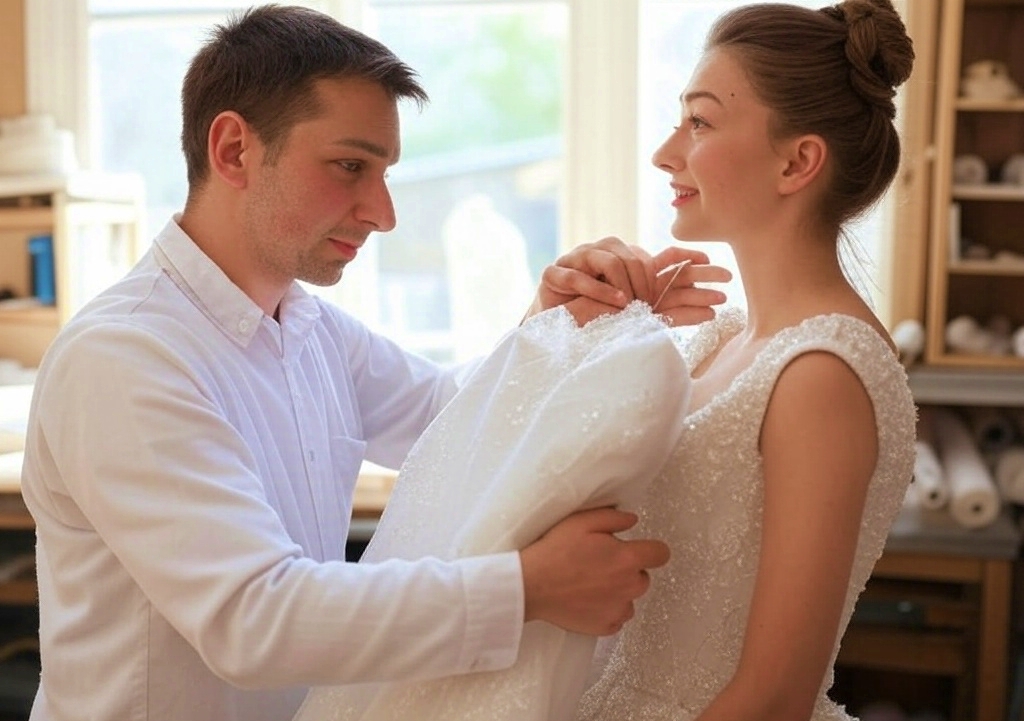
column 225, row 303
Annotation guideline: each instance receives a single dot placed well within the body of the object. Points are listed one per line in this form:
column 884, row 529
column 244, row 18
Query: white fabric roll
column 973, row 499
column 556, row 419
column 911, row 499
column 1013, row 170
column 1017, row 342
column 969, row 169
column 929, row 478
column 964, row 335
column 1010, row 474
column 909, row 337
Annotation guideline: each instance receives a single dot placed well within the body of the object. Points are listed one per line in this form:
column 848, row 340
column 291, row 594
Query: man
column 197, row 430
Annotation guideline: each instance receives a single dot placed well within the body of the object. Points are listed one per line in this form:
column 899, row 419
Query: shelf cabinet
column 94, row 223
column 990, row 213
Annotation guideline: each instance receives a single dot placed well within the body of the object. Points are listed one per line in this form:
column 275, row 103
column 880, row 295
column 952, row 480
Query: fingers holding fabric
column 597, row 278
column 581, row 577
column 607, row 271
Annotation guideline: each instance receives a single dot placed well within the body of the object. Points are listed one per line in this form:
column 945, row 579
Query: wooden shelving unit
column 94, row 222
column 990, row 213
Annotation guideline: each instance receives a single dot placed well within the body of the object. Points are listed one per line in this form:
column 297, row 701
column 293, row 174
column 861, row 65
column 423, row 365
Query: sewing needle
column 679, row 269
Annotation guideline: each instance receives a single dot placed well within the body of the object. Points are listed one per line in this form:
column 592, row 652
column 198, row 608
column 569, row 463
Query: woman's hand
column 609, row 273
column 603, row 277
column 676, row 294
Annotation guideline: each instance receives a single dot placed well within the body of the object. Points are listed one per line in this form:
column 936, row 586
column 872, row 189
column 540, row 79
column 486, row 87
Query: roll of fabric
column 973, row 498
column 993, row 429
column 909, row 337
column 911, row 499
column 929, row 477
column 1013, row 170
column 969, row 169
column 1009, row 473
column 964, row 335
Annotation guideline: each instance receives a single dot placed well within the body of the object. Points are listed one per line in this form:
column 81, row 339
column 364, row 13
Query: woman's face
column 720, row 158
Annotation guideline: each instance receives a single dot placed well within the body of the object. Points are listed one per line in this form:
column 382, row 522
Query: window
column 543, row 119
column 478, row 189
column 138, row 54
column 479, row 186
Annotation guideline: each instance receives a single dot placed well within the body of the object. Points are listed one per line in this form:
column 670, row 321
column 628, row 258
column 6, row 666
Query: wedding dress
column 683, row 646
column 557, row 418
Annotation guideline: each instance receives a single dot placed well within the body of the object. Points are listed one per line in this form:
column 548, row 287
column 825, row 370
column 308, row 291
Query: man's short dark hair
column 263, row 63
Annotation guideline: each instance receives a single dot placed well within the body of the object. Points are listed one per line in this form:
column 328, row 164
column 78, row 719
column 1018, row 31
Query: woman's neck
column 787, row 280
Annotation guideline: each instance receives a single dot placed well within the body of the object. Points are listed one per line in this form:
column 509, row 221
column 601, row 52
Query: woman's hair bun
column 878, row 48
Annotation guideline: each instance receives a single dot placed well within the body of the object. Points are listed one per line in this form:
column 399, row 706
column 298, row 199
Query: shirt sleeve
column 133, row 453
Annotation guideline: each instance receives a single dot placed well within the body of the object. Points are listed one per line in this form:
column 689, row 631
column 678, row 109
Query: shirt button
column 243, row 326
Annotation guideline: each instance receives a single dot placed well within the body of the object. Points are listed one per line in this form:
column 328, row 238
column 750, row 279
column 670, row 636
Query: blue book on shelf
column 44, row 286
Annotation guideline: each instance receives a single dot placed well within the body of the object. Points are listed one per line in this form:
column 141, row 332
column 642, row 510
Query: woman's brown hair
column 831, row 72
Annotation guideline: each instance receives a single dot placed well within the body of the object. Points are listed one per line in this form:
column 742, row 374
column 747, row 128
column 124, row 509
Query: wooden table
column 371, row 494
column 13, row 513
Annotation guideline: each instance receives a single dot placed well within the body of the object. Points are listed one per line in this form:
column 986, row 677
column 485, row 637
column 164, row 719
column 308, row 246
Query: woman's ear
column 805, row 160
column 230, row 146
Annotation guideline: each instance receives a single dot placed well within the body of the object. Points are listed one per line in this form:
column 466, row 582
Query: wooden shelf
column 989, row 191
column 26, row 219
column 961, row 382
column 14, row 515
column 94, row 220
column 987, row 267
column 18, row 593
column 940, row 653
column 80, row 185
column 1015, row 105
column 38, row 315
column 983, row 362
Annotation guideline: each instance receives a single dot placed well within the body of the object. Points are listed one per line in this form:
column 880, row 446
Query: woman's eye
column 697, row 122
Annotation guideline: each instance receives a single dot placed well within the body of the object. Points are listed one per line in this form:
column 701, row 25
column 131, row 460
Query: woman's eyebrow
column 693, row 95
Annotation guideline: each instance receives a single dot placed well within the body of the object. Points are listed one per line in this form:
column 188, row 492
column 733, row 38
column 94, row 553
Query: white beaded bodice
column 684, row 644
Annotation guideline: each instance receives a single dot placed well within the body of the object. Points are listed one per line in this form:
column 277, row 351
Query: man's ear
column 805, row 160
column 231, row 146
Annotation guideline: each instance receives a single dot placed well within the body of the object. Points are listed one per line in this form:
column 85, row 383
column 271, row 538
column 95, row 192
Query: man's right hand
column 581, row 577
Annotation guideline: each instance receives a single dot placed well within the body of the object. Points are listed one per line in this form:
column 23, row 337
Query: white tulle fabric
column 557, row 418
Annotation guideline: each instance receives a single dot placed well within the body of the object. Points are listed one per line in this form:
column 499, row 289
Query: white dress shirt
column 190, row 464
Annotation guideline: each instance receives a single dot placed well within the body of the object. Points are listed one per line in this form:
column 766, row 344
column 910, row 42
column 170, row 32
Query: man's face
column 309, row 211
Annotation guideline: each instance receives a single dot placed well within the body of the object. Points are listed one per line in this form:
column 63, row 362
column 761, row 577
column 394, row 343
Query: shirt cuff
column 495, row 605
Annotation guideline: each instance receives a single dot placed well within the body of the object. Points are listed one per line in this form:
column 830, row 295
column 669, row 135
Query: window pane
column 136, row 68
column 672, row 36
column 146, row 7
column 138, row 53
column 477, row 189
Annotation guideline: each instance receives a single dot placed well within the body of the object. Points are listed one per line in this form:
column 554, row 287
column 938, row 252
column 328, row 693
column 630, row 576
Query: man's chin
column 324, row 277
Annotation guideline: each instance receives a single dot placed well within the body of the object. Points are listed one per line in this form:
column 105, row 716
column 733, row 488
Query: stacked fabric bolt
column 969, row 463
column 32, row 144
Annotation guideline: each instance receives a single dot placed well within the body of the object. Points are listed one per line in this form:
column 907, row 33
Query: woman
column 799, row 439
column 790, row 429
